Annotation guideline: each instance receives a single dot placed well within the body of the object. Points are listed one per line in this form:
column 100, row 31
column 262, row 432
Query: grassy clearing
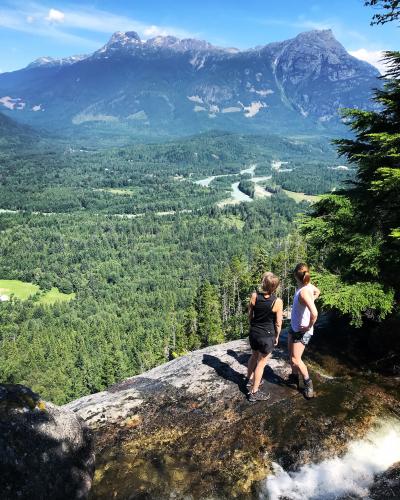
column 23, row 291
column 18, row 288
column 260, row 192
column 232, row 221
column 118, row 191
column 54, row 295
column 299, row 197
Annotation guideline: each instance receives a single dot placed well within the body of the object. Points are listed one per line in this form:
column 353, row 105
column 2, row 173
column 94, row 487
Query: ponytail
column 302, row 273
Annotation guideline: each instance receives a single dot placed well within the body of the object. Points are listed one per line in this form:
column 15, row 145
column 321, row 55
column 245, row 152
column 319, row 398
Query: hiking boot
column 308, row 389
column 258, row 396
column 293, row 381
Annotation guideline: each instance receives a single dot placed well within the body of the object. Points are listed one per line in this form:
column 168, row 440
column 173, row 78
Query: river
column 238, row 196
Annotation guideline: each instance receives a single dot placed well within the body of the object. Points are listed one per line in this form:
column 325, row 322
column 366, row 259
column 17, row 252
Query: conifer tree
column 391, row 10
column 209, row 315
column 355, row 234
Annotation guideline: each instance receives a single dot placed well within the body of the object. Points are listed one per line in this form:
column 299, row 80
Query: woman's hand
column 276, row 341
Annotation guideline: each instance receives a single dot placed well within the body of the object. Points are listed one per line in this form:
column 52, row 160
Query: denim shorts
column 304, row 338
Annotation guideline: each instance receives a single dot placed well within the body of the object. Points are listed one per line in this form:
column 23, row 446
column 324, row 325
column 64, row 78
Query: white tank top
column 300, row 313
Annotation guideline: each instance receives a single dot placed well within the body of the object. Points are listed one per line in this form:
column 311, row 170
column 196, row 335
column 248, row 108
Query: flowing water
column 185, row 430
column 236, row 194
column 351, row 474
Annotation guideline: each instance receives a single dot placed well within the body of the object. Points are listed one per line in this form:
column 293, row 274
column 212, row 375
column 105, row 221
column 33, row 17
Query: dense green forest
column 145, row 288
column 158, row 266
column 142, row 178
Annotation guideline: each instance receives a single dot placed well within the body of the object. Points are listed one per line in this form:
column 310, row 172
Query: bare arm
column 307, row 296
column 252, row 303
column 278, row 310
column 316, row 292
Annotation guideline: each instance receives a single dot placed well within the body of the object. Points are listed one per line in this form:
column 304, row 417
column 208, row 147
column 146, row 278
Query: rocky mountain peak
column 318, row 39
column 121, row 40
column 181, row 45
column 163, row 41
column 48, row 61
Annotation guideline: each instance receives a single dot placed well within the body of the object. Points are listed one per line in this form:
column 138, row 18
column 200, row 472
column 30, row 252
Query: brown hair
column 269, row 283
column 302, row 273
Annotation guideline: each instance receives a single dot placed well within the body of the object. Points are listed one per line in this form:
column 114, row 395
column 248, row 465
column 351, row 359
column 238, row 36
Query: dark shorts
column 304, row 338
column 261, row 342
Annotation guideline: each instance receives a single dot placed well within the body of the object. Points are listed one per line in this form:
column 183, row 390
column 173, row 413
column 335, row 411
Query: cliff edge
column 186, row 430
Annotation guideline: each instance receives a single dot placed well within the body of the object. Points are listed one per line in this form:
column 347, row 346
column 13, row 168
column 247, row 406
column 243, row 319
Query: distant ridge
column 171, row 86
column 13, row 133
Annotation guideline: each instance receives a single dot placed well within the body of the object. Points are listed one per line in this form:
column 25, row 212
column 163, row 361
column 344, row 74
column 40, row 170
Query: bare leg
column 259, row 371
column 298, row 349
column 290, row 352
column 251, row 365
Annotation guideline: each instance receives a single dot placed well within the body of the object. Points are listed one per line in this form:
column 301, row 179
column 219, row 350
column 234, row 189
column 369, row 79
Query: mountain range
column 167, row 86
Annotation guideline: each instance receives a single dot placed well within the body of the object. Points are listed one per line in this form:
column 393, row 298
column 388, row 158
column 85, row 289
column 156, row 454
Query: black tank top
column 263, row 320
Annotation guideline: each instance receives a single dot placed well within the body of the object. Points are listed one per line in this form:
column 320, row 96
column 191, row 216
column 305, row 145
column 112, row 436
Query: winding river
column 238, row 196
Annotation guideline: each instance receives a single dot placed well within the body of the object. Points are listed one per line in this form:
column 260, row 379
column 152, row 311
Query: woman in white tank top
column 303, row 317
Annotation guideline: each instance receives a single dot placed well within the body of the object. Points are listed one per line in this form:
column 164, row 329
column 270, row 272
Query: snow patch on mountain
column 264, row 93
column 198, row 61
column 195, row 98
column 214, row 108
column 82, row 118
column 253, row 108
column 48, row 62
column 231, row 109
column 139, row 115
column 13, row 103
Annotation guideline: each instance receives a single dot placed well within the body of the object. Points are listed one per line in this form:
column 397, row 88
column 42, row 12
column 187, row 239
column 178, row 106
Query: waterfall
column 353, row 473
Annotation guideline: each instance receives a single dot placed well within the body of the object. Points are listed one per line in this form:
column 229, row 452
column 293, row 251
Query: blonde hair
column 302, row 273
column 269, row 283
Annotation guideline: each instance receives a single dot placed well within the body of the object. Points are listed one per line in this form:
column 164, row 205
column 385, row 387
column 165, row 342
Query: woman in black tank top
column 265, row 315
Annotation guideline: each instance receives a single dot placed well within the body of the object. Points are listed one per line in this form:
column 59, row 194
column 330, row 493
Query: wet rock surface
column 387, row 485
column 186, row 430
column 45, row 451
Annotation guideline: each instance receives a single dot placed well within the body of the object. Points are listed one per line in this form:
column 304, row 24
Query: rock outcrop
column 45, row 451
column 186, row 430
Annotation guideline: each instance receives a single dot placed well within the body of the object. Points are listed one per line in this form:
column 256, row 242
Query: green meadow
column 23, row 291
column 299, row 197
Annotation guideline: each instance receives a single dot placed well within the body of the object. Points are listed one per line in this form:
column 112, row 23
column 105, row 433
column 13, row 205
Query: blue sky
column 57, row 28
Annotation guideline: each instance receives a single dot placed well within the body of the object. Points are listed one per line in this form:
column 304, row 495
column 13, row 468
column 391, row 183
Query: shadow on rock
column 45, row 452
column 269, row 374
column 225, row 371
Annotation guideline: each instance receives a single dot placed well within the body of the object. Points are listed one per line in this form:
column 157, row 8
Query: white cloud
column 155, row 31
column 38, row 26
column 373, row 57
column 55, row 16
column 32, row 16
